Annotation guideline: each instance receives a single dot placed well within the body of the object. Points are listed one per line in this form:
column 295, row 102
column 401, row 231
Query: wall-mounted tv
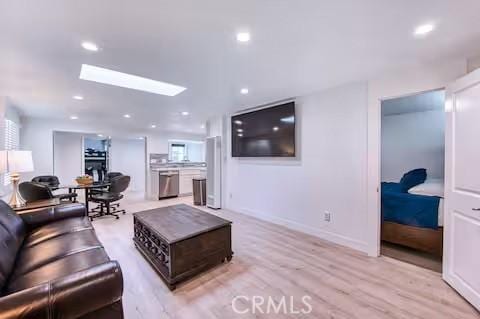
column 268, row 132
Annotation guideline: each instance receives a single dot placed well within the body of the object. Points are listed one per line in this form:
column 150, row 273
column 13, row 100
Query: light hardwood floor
column 271, row 260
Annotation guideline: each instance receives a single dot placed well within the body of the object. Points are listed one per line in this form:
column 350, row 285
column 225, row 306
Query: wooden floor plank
column 271, row 260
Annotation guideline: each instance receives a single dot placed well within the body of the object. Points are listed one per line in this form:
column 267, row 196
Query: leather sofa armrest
column 39, row 217
column 71, row 296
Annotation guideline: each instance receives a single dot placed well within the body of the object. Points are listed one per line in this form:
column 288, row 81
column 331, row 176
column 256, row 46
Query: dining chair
column 107, row 199
column 32, row 191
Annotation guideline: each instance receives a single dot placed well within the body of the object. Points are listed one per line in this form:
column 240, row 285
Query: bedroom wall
column 413, row 140
column 329, row 173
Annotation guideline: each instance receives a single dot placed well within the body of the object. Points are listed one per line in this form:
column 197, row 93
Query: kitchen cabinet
column 186, row 177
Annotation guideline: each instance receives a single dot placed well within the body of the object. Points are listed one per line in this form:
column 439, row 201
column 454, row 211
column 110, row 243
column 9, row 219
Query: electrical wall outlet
column 327, row 216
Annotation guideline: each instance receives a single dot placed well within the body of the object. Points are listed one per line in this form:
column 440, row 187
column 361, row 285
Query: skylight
column 106, row 76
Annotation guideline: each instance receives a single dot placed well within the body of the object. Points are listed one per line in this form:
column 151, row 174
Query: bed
column 414, row 218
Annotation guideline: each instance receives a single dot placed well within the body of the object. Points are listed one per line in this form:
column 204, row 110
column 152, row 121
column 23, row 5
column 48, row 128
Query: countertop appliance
column 168, row 184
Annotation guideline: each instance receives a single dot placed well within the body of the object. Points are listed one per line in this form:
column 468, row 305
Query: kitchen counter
column 186, row 175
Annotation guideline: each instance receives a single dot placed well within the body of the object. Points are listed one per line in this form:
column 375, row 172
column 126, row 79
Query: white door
column 461, row 267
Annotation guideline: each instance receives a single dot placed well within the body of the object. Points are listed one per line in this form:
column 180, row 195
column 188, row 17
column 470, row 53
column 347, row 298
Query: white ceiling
column 422, row 102
column 297, row 47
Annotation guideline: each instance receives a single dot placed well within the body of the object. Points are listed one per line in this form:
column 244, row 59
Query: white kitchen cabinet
column 186, row 177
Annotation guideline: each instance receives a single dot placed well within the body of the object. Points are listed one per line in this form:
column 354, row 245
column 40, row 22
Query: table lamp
column 15, row 162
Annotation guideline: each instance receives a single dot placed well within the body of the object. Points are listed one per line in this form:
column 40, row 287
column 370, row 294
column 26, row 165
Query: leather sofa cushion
column 56, row 250
column 12, row 233
column 58, row 269
column 56, row 229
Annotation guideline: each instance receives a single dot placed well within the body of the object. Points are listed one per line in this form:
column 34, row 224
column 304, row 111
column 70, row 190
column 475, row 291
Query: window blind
column 11, row 142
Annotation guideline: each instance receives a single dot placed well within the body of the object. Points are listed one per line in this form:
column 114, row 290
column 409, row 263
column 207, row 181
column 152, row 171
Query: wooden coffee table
column 181, row 241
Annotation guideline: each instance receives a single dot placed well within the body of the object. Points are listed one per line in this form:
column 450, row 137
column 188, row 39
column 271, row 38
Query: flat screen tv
column 268, row 132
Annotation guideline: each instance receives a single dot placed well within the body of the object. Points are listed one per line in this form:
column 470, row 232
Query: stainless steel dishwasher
column 168, row 184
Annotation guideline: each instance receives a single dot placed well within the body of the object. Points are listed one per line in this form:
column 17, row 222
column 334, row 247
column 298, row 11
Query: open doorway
column 412, row 175
column 96, row 161
column 96, row 154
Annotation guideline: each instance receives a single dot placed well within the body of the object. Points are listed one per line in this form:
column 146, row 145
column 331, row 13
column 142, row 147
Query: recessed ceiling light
column 275, row 128
column 153, row 126
column 240, row 130
column 74, row 117
column 90, row 46
column 140, row 138
column 106, row 76
column 240, row 135
column 185, row 113
column 238, row 122
column 100, row 135
column 244, row 91
column 77, row 97
column 424, row 29
column 243, row 37
column 127, row 116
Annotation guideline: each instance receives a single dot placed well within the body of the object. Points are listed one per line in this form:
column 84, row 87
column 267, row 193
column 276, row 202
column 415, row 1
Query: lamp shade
column 19, row 161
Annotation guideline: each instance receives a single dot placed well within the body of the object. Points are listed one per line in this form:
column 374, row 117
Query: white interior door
column 461, row 267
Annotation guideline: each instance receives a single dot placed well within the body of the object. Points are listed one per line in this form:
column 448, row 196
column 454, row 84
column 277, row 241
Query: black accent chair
column 32, row 191
column 49, row 180
column 110, row 175
column 106, row 199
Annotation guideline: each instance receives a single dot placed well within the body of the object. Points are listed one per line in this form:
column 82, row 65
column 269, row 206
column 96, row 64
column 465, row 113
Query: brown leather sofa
column 53, row 266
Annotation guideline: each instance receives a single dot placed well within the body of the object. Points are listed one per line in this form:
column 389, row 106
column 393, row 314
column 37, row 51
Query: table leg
column 86, row 200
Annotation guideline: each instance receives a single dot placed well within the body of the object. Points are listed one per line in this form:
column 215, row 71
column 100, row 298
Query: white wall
column 67, row 159
column 338, row 168
column 473, row 63
column 128, row 156
column 329, row 173
column 37, row 136
column 413, row 140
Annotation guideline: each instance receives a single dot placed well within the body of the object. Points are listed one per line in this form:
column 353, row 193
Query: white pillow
column 431, row 187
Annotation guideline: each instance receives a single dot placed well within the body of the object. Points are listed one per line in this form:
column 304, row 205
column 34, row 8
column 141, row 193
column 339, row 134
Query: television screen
column 268, row 132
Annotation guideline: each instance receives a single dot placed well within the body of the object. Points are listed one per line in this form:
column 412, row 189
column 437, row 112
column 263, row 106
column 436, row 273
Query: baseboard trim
column 320, row 233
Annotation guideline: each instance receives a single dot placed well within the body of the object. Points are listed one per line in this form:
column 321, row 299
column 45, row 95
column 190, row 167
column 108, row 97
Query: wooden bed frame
column 423, row 239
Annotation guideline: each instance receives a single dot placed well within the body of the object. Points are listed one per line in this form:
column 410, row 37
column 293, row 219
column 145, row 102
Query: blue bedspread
column 404, row 208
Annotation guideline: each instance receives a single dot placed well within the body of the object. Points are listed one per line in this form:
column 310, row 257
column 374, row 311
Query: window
column 178, row 152
column 11, row 142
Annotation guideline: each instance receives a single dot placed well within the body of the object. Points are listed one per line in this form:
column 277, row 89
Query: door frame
column 396, row 85
column 380, row 147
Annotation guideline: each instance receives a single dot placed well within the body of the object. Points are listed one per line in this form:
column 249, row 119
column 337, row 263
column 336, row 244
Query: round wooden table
column 86, row 188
